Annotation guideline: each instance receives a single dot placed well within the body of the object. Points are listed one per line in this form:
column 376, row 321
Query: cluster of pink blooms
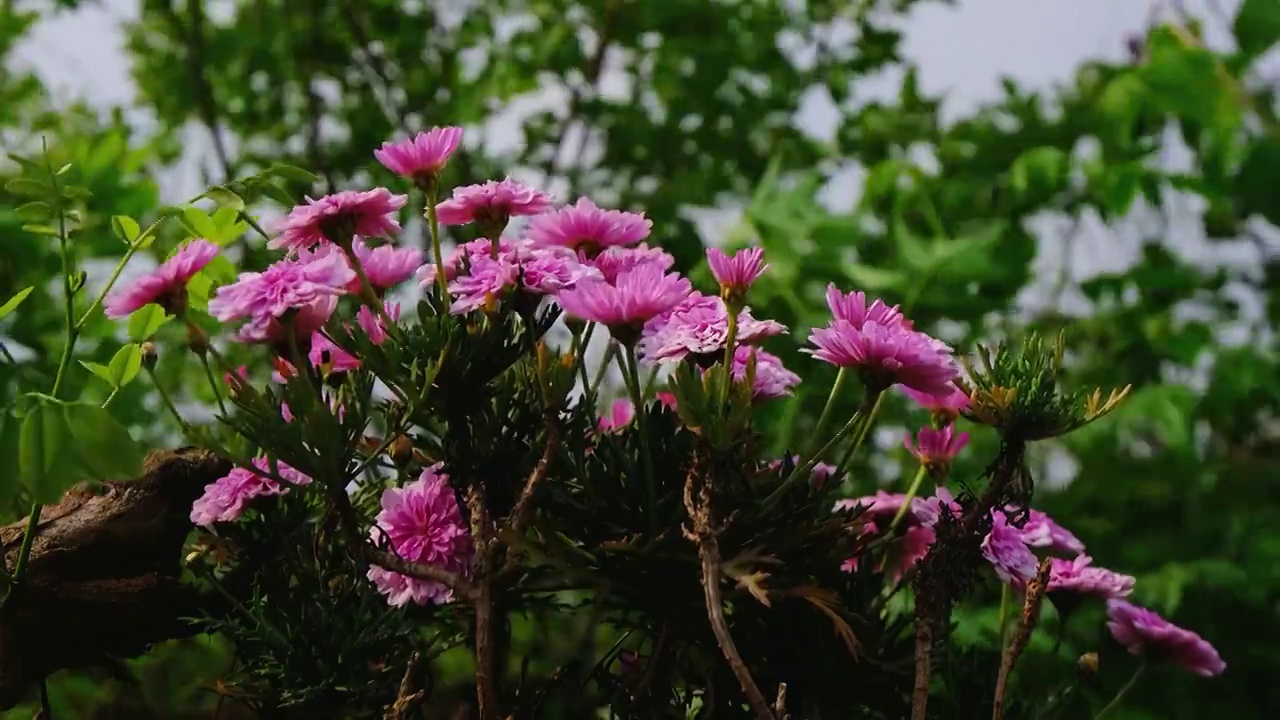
column 226, row 499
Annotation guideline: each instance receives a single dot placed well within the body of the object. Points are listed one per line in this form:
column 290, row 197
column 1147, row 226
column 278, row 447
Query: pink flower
column 883, row 506
column 485, row 283
column 887, row 353
column 166, row 285
column 341, row 215
column 667, row 399
column 772, row 379
column 422, row 156
column 492, row 202
column 736, row 273
column 949, row 404
column 325, row 352
column 902, row 555
column 1080, row 577
column 422, row 523
column 853, row 309
column 519, row 266
column 616, row 260
column 620, row 415
column 1008, row 554
column 936, row 448
column 386, row 265
column 699, row 326
column 308, row 290
column 821, row 472
column 583, row 225
column 626, row 305
column 224, row 499
column 1040, row 531
column 234, row 381
column 371, row 322
column 1145, row 633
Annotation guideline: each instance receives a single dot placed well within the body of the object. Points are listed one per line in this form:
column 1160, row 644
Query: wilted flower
column 936, row 448
column 386, row 265
column 587, row 227
column 1007, row 552
column 699, row 326
column 1078, row 576
column 423, row 524
column 625, row 306
column 306, row 290
column 491, row 204
column 886, row 354
column 614, row 261
column 620, row 414
column 224, row 499
column 1040, row 531
column 421, row 157
column 338, row 218
column 165, row 286
column 736, row 272
column 772, row 380
column 1144, row 632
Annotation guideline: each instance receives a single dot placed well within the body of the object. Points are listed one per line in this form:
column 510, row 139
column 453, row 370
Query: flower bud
column 401, row 450
column 78, row 280
column 1087, row 665
column 149, row 355
column 197, row 340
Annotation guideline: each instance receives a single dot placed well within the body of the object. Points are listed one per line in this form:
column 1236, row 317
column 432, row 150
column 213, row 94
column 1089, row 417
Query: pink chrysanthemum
column 422, row 156
column 308, row 290
column 949, row 404
column 422, row 523
column 491, row 203
column 371, row 322
column 519, row 266
column 853, row 309
column 583, row 225
column 1080, row 577
column 386, row 265
column 936, row 447
column 736, row 272
column 166, row 285
column 485, row 283
column 1040, row 531
column 887, row 353
column 340, row 216
column 1143, row 632
column 324, row 352
column 699, row 326
column 626, row 305
column 225, row 499
column 1008, row 554
column 620, row 414
column 772, row 379
column 616, row 260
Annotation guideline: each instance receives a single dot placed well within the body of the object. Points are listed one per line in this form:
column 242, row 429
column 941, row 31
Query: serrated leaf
column 12, row 303
column 124, row 365
column 99, row 371
column 125, row 228
column 146, row 321
column 27, row 186
column 293, row 174
column 34, row 211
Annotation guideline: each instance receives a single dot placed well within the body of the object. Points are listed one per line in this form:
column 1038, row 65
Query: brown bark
column 103, row 576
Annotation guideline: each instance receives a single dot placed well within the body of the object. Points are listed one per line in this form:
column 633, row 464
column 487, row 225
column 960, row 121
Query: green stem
column 911, row 495
column 28, row 537
column 167, row 400
column 610, row 353
column 134, row 247
column 1004, row 611
column 633, row 381
column 650, row 381
column 1115, row 701
column 114, row 391
column 433, row 223
column 805, row 468
column 582, row 341
column 861, row 437
column 213, row 383
column 825, row 418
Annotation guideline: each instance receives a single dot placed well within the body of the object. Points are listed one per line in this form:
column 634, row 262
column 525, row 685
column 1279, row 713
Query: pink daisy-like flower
column 853, row 309
column 614, row 261
column 165, row 286
column 491, row 203
column 325, row 352
column 422, row 523
column 699, row 326
column 386, row 265
column 342, row 215
column 889, row 354
column 736, row 272
column 620, row 414
column 519, row 266
column 587, row 227
column 626, row 305
column 1040, row 531
column 772, row 379
column 371, row 322
column 485, row 283
column 308, row 290
column 949, row 405
column 422, row 156
column 1143, row 632
column 1008, row 554
column 1080, row 577
column 225, row 499
column 666, row 399
column 936, row 448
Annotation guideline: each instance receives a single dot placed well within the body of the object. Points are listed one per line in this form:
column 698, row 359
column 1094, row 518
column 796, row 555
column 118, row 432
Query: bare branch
column 1030, row 616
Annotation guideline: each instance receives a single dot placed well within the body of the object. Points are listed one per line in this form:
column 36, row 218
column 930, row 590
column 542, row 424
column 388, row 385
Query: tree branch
column 1030, row 616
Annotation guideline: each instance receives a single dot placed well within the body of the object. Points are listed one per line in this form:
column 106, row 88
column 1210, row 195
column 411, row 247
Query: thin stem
column 709, row 550
column 1004, row 612
column 610, row 353
column 805, row 468
column 1115, row 701
column 28, row 538
column 912, row 490
column 167, row 400
column 633, row 382
column 861, row 437
column 582, row 341
column 134, row 247
column 730, row 339
column 114, row 392
column 46, row 707
column 213, row 383
column 825, row 418
column 433, row 222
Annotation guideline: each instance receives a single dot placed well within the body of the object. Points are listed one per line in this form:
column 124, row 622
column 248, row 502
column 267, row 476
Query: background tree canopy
column 972, row 222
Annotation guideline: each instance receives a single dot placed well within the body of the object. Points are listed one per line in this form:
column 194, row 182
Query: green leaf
column 1257, row 26
column 1258, row 179
column 199, row 222
column 125, row 365
column 104, row 447
column 34, row 211
column 27, row 186
column 47, row 462
column 1121, row 103
column 12, row 303
column 1038, row 170
column 10, row 430
column 126, row 228
column 99, row 371
column 146, row 321
column 225, row 198
column 277, row 193
column 293, row 174
column 35, row 229
column 875, row 279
